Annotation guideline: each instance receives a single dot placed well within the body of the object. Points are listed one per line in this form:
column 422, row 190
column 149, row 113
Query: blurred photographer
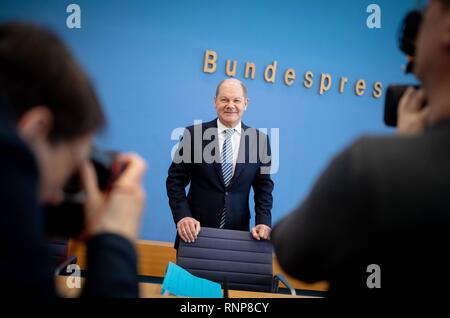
column 49, row 114
column 376, row 223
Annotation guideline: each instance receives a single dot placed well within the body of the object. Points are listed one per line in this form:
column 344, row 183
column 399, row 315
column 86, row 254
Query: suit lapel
column 218, row 166
column 215, row 139
column 242, row 155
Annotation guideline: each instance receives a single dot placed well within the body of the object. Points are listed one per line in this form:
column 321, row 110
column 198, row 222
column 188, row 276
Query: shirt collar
column 221, row 127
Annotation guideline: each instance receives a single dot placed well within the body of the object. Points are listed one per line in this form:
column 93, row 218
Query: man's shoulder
column 16, row 160
column 379, row 145
column 382, row 153
column 200, row 125
column 12, row 145
column 248, row 130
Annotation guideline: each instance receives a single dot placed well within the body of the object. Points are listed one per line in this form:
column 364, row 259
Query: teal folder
column 180, row 282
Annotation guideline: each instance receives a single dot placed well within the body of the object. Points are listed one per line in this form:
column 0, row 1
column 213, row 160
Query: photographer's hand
column 412, row 115
column 120, row 210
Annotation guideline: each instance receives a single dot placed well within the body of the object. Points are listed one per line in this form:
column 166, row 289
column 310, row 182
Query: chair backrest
column 245, row 262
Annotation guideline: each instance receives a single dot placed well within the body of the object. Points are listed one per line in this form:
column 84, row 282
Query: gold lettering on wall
column 289, row 76
column 377, row 90
column 325, row 82
column 228, row 71
column 272, row 69
column 308, row 82
column 209, row 64
column 344, row 81
column 360, row 87
column 250, row 67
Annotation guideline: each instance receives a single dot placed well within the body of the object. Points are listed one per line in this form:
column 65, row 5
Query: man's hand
column 188, row 229
column 119, row 211
column 261, row 231
column 411, row 115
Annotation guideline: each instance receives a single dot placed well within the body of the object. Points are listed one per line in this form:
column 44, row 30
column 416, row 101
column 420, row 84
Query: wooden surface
column 154, row 290
column 153, row 257
column 148, row 290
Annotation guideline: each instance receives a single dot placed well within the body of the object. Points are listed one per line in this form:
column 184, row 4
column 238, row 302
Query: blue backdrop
column 146, row 60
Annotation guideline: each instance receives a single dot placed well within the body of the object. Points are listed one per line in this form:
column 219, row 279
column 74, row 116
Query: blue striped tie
column 227, row 167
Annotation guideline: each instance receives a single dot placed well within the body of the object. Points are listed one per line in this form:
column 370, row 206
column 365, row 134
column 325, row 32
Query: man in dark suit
column 222, row 160
column 377, row 221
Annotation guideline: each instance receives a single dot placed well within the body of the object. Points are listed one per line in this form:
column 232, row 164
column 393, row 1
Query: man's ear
column 247, row 102
column 35, row 124
column 215, row 102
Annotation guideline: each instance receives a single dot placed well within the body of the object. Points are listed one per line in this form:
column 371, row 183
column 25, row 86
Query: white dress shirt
column 235, row 139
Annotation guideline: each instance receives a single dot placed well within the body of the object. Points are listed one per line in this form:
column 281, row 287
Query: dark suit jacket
column 207, row 192
column 384, row 201
column 26, row 266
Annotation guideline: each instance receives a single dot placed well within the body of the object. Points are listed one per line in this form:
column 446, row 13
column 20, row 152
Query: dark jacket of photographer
column 382, row 201
column 25, row 263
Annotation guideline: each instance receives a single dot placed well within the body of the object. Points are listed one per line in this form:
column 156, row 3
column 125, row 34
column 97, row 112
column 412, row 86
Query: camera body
column 68, row 218
column 393, row 95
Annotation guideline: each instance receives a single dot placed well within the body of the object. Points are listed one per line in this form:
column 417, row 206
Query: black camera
column 407, row 44
column 68, row 218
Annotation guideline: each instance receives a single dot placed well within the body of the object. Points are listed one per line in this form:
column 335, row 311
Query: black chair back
column 217, row 253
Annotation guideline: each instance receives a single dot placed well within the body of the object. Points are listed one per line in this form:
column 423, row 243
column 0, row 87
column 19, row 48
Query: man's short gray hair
column 244, row 88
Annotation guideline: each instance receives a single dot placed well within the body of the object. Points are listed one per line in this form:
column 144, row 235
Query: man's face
column 430, row 44
column 230, row 103
column 57, row 163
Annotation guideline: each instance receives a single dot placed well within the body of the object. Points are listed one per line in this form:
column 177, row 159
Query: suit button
column 226, row 193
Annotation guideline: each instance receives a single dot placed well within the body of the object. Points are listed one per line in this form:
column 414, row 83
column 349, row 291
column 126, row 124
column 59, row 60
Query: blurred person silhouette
column 375, row 223
column 49, row 114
